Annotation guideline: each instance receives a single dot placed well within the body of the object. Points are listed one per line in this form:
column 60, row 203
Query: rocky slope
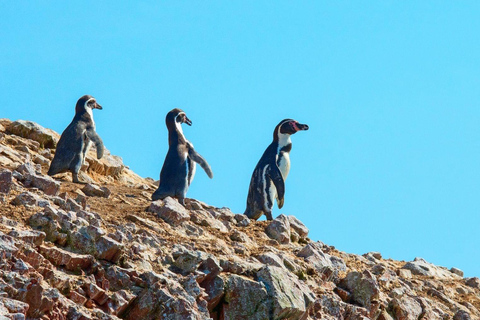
column 104, row 251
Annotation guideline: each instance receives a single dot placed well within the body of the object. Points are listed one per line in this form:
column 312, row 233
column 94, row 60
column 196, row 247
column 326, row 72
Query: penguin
column 76, row 140
column 179, row 166
column 268, row 178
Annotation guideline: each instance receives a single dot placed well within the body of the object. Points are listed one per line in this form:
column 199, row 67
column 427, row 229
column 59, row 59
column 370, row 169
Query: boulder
column 69, row 260
column 279, row 229
column 364, row 289
column 245, row 299
column 406, row 308
column 170, row 211
column 31, row 130
column 421, row 267
column 298, row 226
column 290, row 298
column 93, row 190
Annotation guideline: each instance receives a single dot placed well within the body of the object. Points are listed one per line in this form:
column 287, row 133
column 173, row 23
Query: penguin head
column 175, row 118
column 288, row 127
column 86, row 104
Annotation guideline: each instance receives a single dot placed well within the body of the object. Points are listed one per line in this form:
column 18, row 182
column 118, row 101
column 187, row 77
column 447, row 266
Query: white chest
column 283, row 163
column 90, row 113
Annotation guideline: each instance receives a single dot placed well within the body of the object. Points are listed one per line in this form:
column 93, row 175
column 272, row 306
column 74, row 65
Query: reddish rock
column 6, row 181
column 169, row 210
column 77, row 298
column 30, row 236
column 96, row 293
column 46, row 184
column 69, row 260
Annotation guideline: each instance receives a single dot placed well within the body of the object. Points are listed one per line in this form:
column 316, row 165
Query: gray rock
column 473, row 282
column 242, row 220
column 108, row 249
column 457, row 271
column 364, row 289
column 26, row 199
column 321, row 261
column 39, row 159
column 279, row 229
column 188, row 260
column 298, row 226
column 291, row 299
column 170, row 211
column 421, row 267
column 215, row 289
column 271, row 259
column 245, row 299
column 46, row 184
column 31, row 130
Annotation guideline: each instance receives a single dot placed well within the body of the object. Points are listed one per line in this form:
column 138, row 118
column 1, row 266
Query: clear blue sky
column 390, row 90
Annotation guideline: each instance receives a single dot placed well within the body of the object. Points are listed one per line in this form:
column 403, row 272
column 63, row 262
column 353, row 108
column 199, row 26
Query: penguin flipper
column 276, row 176
column 195, row 156
column 97, row 140
column 191, row 170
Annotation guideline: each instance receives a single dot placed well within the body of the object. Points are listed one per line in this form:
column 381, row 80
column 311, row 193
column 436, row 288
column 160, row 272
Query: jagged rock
column 291, row 299
column 322, row 262
column 69, row 260
column 239, row 236
column 332, row 308
column 271, row 259
column 406, row 308
column 30, row 236
column 31, row 130
column 188, row 260
column 245, row 299
column 108, row 249
column 421, row 267
column 96, row 293
column 170, row 211
column 46, row 184
column 120, row 301
column 109, row 165
column 39, row 159
column 77, row 298
column 26, row 199
column 279, row 229
column 215, row 289
column 384, row 316
column 14, row 306
column 92, row 190
column 364, row 289
column 298, row 226
column 473, row 282
column 210, row 268
column 6, row 181
column 205, row 218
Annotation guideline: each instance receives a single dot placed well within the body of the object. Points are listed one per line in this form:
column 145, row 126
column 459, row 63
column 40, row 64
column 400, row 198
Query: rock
column 384, row 316
column 279, row 229
column 30, row 236
column 39, row 159
column 109, row 165
column 245, row 300
column 31, row 130
column 210, row 268
column 26, row 199
column 170, row 211
column 46, row 184
column 332, row 308
column 457, row 271
column 69, row 260
column 271, row 259
column 312, row 253
column 421, row 267
column 364, row 289
column 242, row 220
column 96, row 293
column 108, row 249
column 404, row 273
column 6, row 181
column 215, row 289
column 473, row 282
column 291, row 299
column 121, row 300
column 405, row 308
column 461, row 315
column 239, row 236
column 92, row 190
column 14, row 306
column 298, row 226
column 188, row 260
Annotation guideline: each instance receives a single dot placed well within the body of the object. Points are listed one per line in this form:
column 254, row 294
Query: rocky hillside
column 104, row 251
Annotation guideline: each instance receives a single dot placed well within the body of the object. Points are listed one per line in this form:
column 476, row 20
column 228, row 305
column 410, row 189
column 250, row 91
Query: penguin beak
column 187, row 121
column 97, row 106
column 301, row 127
